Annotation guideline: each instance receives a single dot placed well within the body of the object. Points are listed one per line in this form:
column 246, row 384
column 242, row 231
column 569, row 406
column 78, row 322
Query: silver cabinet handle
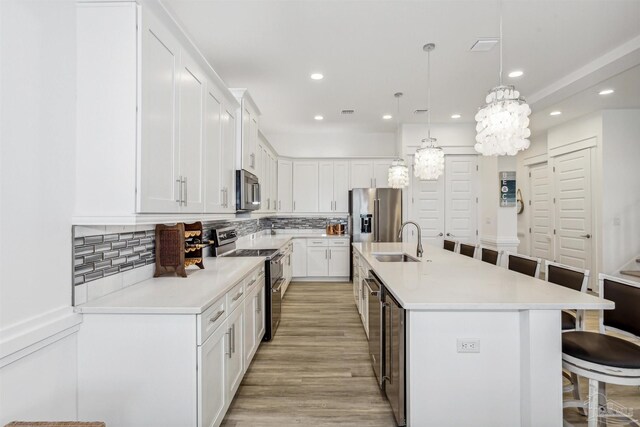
column 229, row 333
column 179, row 181
column 258, row 303
column 371, row 181
column 329, row 253
column 238, row 295
column 326, row 254
column 217, row 316
column 184, row 182
column 253, row 160
column 294, row 205
column 375, row 182
column 251, row 283
column 223, row 202
column 376, row 212
column 279, row 205
column 233, row 338
column 588, row 236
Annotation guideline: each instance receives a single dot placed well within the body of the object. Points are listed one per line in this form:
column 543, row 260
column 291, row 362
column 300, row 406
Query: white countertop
column 176, row 295
column 445, row 280
column 278, row 240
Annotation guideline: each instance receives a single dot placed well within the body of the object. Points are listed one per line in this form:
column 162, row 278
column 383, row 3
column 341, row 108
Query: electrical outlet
column 468, row 346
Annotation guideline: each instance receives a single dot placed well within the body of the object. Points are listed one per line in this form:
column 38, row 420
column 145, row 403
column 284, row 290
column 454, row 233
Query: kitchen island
column 514, row 376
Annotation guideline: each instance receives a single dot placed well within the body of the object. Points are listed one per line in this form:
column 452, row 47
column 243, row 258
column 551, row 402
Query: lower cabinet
column 328, row 257
column 170, row 369
column 317, row 261
column 299, row 258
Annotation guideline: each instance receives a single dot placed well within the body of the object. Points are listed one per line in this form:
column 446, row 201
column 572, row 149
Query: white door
column 250, row 344
column 361, row 174
column 299, row 258
column 339, row 262
column 234, row 373
column 228, row 157
column 159, row 171
column 317, row 261
column 305, row 186
column 461, row 177
column 540, row 231
column 325, row 186
column 341, row 186
column 191, row 131
column 572, row 189
column 381, row 173
column 212, row 357
column 285, row 186
column 214, row 191
column 427, row 209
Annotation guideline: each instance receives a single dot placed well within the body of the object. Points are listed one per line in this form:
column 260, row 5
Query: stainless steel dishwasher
column 394, row 359
column 374, row 287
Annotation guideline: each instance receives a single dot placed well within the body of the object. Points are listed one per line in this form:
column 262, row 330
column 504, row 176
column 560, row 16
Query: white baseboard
column 321, row 279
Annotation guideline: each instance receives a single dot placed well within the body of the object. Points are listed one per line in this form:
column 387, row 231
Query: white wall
column 334, row 144
column 449, row 136
column 37, row 128
column 621, row 188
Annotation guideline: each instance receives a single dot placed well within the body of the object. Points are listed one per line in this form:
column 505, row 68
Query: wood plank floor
column 316, row 371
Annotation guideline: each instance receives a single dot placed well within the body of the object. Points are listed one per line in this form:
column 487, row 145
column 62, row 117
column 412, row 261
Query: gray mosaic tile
column 111, row 238
column 79, row 260
column 102, row 247
column 102, row 264
column 127, row 251
column 139, row 249
column 126, row 267
column 126, row 236
column 78, row 241
column 82, row 269
column 111, row 271
column 93, row 258
column 93, row 276
column 133, row 258
column 78, row 280
column 92, row 240
column 134, row 242
column 84, row 250
column 118, row 261
column 118, row 245
column 110, row 254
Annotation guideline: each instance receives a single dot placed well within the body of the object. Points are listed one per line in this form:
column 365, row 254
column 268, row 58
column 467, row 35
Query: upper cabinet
column 333, row 186
column 285, row 186
column 247, row 138
column 305, row 186
column 157, row 127
column 370, row 173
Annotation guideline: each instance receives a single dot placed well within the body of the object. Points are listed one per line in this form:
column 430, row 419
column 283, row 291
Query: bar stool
column 450, row 245
column 604, row 358
column 523, row 264
column 468, row 250
column 572, row 278
column 490, row 256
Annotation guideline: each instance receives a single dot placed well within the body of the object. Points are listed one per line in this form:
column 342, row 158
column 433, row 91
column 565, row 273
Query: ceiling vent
column 421, row 111
column 347, row 112
column 484, row 45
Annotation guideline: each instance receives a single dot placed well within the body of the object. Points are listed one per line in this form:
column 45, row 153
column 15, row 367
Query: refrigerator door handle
column 376, row 220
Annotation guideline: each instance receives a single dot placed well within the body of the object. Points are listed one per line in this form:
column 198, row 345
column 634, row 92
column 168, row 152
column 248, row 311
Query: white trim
column 410, row 150
column 499, row 241
column 31, row 335
column 535, row 160
column 574, row 146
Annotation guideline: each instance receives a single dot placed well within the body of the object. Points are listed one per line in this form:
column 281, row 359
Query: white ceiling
column 368, row 50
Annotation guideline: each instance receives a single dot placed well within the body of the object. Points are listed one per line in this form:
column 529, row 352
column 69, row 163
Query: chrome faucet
column 419, row 250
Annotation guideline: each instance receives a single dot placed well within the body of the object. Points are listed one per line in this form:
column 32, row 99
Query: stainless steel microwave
column 247, row 191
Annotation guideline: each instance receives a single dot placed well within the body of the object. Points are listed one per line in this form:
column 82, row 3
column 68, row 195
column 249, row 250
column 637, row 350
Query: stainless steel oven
column 247, row 191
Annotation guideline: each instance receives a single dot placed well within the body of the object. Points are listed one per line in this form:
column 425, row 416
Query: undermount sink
column 395, row 258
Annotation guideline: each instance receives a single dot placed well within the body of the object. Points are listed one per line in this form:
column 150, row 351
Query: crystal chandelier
column 503, row 123
column 398, row 171
column 429, row 158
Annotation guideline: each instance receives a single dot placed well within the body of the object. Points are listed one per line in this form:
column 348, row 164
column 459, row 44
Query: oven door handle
column 278, row 285
column 277, row 259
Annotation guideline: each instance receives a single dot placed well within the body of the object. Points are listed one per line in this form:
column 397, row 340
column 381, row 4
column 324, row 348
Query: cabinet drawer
column 338, row 242
column 253, row 280
column 235, row 296
column 317, row 242
column 211, row 318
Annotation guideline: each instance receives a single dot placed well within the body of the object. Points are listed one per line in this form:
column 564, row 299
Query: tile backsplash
column 100, row 253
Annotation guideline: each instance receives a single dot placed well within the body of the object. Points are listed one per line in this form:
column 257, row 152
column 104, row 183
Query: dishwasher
column 374, row 288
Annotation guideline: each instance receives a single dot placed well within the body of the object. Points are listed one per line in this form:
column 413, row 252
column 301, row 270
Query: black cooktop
column 252, row 252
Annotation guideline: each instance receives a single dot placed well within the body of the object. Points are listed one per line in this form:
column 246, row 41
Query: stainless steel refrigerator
column 375, row 214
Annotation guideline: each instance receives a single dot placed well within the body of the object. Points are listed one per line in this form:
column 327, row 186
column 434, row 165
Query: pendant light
column 429, row 158
column 503, row 123
column 398, row 171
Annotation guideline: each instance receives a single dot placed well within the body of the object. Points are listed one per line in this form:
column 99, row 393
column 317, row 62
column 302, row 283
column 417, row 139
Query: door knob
column 450, row 235
column 440, row 235
column 588, row 236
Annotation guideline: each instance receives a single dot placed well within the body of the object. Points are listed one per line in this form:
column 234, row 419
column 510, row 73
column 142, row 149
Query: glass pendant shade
column 429, row 161
column 503, row 123
column 398, row 174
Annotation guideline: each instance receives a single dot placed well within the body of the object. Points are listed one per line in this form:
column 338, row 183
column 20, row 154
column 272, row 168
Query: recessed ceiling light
column 455, row 116
column 555, row 113
column 319, row 117
column 606, row 92
column 516, row 73
column 317, row 76
column 387, row 117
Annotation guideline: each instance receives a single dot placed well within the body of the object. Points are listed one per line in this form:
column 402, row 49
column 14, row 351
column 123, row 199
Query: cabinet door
column 361, row 174
column 305, row 187
column 285, row 186
column 159, row 172
column 339, row 262
column 381, row 173
column 213, row 151
column 247, row 155
column 250, row 344
column 317, row 262
column 299, row 258
column 253, row 145
column 274, row 183
column 341, row 187
column 260, row 313
column 228, row 166
column 234, row 373
column 191, row 130
column 212, row 359
column 325, row 187
column 365, row 310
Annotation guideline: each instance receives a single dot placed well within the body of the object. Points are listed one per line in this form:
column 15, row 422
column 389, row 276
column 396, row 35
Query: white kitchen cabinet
column 274, row 182
column 250, row 323
column 381, row 173
column 288, row 268
column 260, row 316
column 356, row 281
column 339, row 261
column 285, row 186
column 227, row 162
column 325, row 186
column 247, row 116
column 299, row 258
column 333, row 190
column 214, row 193
column 361, row 174
column 317, row 261
column 142, row 98
column 305, row 186
column 235, row 369
column 212, row 356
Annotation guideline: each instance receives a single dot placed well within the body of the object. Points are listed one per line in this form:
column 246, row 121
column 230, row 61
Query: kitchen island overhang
column 516, row 377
